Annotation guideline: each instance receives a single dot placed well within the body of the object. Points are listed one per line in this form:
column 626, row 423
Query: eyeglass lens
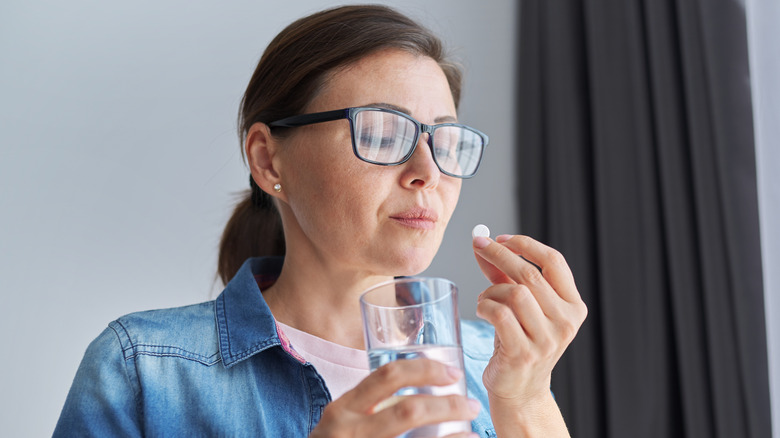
column 387, row 138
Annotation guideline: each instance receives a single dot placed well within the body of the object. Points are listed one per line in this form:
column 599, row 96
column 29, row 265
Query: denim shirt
column 218, row 368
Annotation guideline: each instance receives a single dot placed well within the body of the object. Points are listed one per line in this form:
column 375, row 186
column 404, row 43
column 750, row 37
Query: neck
column 321, row 299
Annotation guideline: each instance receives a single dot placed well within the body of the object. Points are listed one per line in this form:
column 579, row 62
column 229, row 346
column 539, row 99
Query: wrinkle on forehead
column 439, row 119
column 330, row 78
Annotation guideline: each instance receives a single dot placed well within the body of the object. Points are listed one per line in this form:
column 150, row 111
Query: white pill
column 480, row 230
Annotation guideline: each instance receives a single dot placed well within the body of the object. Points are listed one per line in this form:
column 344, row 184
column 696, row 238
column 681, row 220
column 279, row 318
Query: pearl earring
column 277, row 187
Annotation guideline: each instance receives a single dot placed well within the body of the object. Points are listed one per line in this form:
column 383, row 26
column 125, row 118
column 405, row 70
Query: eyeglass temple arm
column 308, row 119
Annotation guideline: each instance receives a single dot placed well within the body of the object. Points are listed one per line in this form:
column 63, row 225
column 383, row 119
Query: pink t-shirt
column 341, row 367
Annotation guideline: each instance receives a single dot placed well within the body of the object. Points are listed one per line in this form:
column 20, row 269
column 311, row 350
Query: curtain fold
column 637, row 162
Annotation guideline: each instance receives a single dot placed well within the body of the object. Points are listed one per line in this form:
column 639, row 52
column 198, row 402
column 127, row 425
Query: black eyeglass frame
column 351, row 113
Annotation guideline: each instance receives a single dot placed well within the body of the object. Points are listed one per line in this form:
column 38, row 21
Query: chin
column 405, row 257
column 412, row 264
column 408, row 272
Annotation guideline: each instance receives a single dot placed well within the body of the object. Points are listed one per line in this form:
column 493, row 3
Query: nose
column 420, row 171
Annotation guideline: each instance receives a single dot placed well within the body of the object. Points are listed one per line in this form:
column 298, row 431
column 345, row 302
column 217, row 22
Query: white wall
column 119, row 161
column 764, row 41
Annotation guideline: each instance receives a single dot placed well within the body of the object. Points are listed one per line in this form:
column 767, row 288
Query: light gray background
column 119, row 164
column 763, row 18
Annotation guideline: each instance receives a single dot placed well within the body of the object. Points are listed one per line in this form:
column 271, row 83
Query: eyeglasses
column 387, row 137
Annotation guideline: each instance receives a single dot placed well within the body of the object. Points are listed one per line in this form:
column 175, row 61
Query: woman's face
column 375, row 220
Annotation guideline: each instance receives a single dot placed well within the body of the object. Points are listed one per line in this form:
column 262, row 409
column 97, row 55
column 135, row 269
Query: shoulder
column 122, row 373
column 477, row 339
column 188, row 332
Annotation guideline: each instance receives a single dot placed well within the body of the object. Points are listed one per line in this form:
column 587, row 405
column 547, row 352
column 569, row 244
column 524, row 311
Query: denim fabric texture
column 218, row 368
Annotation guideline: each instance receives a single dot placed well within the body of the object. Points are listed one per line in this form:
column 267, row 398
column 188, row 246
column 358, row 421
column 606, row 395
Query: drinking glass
column 415, row 317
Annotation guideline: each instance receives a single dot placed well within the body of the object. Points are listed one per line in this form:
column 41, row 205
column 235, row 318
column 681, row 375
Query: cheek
column 450, row 196
column 338, row 198
column 315, row 171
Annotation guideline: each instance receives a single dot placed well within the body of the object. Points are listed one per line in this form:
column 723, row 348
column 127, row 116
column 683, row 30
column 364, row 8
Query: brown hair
column 291, row 71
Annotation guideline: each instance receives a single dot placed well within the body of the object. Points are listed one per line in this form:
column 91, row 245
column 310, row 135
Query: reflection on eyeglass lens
column 386, row 137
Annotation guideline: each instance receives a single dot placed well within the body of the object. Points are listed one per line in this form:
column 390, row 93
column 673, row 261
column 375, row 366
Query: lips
column 417, row 217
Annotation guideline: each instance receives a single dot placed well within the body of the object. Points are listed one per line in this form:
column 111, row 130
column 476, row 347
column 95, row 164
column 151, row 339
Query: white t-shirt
column 341, row 367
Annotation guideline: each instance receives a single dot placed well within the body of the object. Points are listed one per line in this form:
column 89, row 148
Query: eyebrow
column 440, row 119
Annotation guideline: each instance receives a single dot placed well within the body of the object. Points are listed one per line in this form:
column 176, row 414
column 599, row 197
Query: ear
column 262, row 155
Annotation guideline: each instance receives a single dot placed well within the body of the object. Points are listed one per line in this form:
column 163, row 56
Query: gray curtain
column 637, row 162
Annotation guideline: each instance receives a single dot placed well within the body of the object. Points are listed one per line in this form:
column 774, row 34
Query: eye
column 445, row 144
column 445, row 153
column 389, row 136
column 371, row 139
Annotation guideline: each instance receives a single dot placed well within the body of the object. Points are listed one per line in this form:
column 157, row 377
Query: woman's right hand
column 355, row 414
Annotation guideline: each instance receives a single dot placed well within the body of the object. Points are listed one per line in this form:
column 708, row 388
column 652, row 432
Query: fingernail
column 503, row 238
column 481, row 242
column 475, row 406
column 455, row 373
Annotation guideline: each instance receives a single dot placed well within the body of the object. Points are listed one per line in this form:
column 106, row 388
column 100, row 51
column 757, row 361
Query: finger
column 509, row 330
column 553, row 265
column 525, row 272
column 492, row 273
column 419, row 410
column 521, row 271
column 508, row 262
column 389, row 378
column 534, row 316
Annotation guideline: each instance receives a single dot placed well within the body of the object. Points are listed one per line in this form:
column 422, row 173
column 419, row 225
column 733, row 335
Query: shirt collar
column 244, row 321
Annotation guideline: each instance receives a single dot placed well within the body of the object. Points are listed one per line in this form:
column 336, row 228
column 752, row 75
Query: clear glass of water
column 414, row 317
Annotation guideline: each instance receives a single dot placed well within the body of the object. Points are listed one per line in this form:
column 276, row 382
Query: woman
column 363, row 193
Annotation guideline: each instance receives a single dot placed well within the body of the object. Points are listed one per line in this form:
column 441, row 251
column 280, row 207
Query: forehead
column 393, row 77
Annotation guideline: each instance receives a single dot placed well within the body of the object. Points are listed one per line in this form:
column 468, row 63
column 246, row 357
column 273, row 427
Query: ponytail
column 254, row 230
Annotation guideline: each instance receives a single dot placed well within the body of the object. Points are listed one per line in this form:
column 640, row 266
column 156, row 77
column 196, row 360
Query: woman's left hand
column 536, row 310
